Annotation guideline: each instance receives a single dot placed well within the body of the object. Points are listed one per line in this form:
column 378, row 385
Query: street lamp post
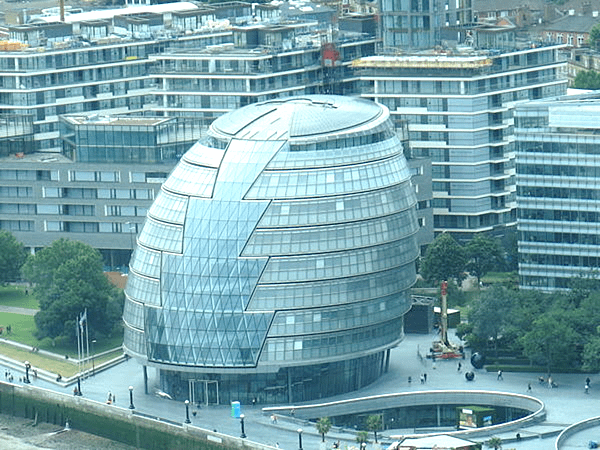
column 79, row 386
column 27, row 367
column 131, row 398
column 243, row 435
column 187, row 411
column 93, row 356
column 299, row 438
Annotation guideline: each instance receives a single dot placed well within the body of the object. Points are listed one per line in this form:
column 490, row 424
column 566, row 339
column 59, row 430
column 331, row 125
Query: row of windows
column 330, row 345
column 169, row 207
column 332, row 238
column 81, row 175
column 339, row 291
column 545, row 281
column 295, row 184
column 561, row 260
column 585, row 169
column 186, row 179
column 17, row 208
column 337, row 210
column 143, row 289
column 582, row 145
column 28, row 175
column 93, row 193
column 95, row 176
column 336, row 157
column 17, row 225
column 584, row 238
column 556, row 192
column 162, row 236
column 146, row 262
column 72, row 227
column 337, row 318
column 347, row 264
column 353, row 141
column 559, row 215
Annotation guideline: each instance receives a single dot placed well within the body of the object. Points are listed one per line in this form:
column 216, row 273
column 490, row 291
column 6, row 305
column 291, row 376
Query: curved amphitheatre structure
column 533, row 408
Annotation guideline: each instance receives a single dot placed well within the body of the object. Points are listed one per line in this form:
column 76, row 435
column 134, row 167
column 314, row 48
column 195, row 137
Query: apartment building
column 408, row 25
column 459, row 109
column 99, row 122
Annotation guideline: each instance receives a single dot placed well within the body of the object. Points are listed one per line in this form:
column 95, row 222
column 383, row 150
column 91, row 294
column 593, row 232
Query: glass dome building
column 276, row 262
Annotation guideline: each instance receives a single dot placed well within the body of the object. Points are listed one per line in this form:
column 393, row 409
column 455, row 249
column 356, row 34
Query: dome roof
column 297, row 117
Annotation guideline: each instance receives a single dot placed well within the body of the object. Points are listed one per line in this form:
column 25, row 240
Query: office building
column 558, row 168
column 459, row 111
column 98, row 189
column 277, row 259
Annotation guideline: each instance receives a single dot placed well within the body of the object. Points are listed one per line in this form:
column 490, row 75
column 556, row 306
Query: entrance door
column 205, row 392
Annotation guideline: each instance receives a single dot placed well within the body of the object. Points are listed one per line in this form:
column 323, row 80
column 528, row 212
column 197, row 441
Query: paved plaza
column 565, row 405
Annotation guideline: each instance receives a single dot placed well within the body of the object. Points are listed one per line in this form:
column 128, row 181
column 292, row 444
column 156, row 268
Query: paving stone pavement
column 565, row 405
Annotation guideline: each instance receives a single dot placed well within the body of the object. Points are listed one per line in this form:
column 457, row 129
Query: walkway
column 565, row 405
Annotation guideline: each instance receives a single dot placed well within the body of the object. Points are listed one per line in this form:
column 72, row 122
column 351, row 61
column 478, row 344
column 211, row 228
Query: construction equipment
column 443, row 348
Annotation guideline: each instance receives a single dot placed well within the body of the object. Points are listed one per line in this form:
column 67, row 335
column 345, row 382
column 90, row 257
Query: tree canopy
column 484, row 254
column 555, row 331
column 374, row 424
column 587, row 79
column 323, row 426
column 12, row 257
column 444, row 259
column 594, row 39
column 68, row 279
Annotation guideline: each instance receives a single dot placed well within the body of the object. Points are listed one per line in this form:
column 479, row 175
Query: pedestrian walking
column 422, row 378
column 588, row 381
column 500, row 377
column 425, row 377
column 586, row 388
column 528, row 387
column 459, row 366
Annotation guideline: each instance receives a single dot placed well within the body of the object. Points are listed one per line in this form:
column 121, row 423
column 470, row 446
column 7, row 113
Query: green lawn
column 15, row 296
column 22, row 328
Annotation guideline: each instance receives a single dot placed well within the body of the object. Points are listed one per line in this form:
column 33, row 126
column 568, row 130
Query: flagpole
column 78, row 344
column 87, row 338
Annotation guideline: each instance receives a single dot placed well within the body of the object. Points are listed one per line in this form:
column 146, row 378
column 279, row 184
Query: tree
column 362, row 437
column 594, row 39
column 12, row 257
column 444, row 259
column 489, row 313
column 494, row 442
column 484, row 254
column 552, row 340
column 591, row 354
column 323, row 426
column 587, row 79
column 68, row 279
column 374, row 424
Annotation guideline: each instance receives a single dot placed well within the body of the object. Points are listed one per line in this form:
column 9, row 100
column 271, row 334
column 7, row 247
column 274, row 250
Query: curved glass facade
column 283, row 258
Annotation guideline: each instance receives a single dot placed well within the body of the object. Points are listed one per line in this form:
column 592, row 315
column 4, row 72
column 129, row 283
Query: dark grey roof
column 506, row 5
column 573, row 24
